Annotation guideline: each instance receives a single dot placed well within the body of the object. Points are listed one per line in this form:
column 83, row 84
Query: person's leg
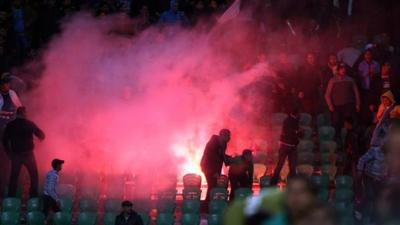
column 292, row 158
column 211, row 183
column 16, row 165
column 31, row 166
column 233, row 180
column 281, row 161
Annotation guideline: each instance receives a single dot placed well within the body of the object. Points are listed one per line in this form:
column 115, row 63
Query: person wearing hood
column 174, row 15
column 9, row 100
column 214, row 157
column 387, row 100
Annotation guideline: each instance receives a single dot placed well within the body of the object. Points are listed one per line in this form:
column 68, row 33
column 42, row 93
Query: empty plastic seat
column 165, row 219
column 217, row 206
column 219, row 194
column 166, row 206
column 62, row 218
column 222, row 181
column 344, row 182
column 168, row 194
column 307, row 133
column 214, row 219
column 87, row 218
column 322, row 182
column 11, row 205
column 145, row 218
column 87, row 205
column 323, row 195
column 191, row 180
column 35, row 204
column 329, row 170
column 323, row 120
column 66, row 204
column 265, row 181
column 305, row 119
column 35, row 218
column 326, row 133
column 328, row 147
column 305, row 146
column 306, row 169
column 66, row 190
column 191, row 206
column 10, row 218
column 326, row 158
column 109, row 218
column 242, row 193
column 112, row 205
column 344, row 195
column 191, row 193
column 305, row 158
column 142, row 205
column 190, row 219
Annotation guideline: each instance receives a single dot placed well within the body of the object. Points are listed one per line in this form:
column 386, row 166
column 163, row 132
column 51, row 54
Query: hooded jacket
column 395, row 113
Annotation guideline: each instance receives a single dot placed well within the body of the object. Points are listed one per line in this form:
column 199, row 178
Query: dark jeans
column 340, row 114
column 211, row 183
column 291, row 154
column 18, row 160
column 372, row 189
column 49, row 205
column 238, row 181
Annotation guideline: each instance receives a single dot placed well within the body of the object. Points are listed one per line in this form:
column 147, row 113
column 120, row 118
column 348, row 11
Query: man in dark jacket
column 288, row 143
column 241, row 172
column 213, row 158
column 18, row 143
column 128, row 216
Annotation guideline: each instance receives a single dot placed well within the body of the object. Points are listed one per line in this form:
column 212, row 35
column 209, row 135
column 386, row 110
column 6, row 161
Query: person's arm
column 251, row 174
column 328, row 94
column 356, row 95
column 228, row 160
column 37, row 131
column 52, row 183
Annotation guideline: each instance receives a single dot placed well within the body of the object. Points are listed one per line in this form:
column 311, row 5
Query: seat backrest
column 35, row 204
column 168, row 194
column 219, row 194
column 109, row 218
column 66, row 204
column 190, row 219
column 344, row 182
column 191, row 206
column 327, row 147
column 321, row 182
column 145, row 218
column 166, row 206
column 222, row 181
column 10, row 218
column 344, row 195
column 192, row 180
column 112, row 205
column 11, row 204
column 35, row 218
column 62, row 218
column 305, row 158
column 87, row 218
column 165, row 219
column 265, row 181
column 305, row 119
column 191, row 193
column 307, row 132
column 214, row 219
column 87, row 205
column 305, row 146
column 326, row 133
column 306, row 169
column 242, row 193
column 323, row 120
column 217, row 206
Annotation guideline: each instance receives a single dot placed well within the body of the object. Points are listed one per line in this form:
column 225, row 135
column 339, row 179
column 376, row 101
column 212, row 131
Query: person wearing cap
column 9, row 100
column 241, row 172
column 51, row 200
column 214, row 157
column 342, row 97
column 18, row 143
column 128, row 216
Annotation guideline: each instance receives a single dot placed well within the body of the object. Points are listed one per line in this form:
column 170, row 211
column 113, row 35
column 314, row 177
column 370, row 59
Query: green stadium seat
column 219, row 194
column 20, row 190
column 242, row 193
column 326, row 158
column 222, row 181
column 217, row 206
column 191, row 180
column 166, row 206
column 322, row 182
column 87, row 218
column 305, row 158
column 35, row 204
column 305, row 146
column 112, row 205
column 35, row 218
column 109, row 218
column 306, row 169
column 62, row 218
column 165, row 219
column 145, row 218
column 191, row 206
column 10, row 218
column 142, row 205
column 323, row 120
column 265, row 181
column 323, row 195
column 307, row 133
column 191, row 193
column 305, row 119
column 11, row 205
column 328, row 147
column 168, row 194
column 66, row 204
column 87, row 205
column 190, row 219
column 344, row 182
column 344, row 195
column 214, row 219
column 326, row 133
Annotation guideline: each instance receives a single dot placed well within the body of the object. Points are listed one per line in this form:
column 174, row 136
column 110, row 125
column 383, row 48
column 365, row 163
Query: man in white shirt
column 51, row 200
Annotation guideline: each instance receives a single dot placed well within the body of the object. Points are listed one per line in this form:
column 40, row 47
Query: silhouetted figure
column 51, row 200
column 241, row 172
column 128, row 216
column 213, row 158
column 18, row 143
